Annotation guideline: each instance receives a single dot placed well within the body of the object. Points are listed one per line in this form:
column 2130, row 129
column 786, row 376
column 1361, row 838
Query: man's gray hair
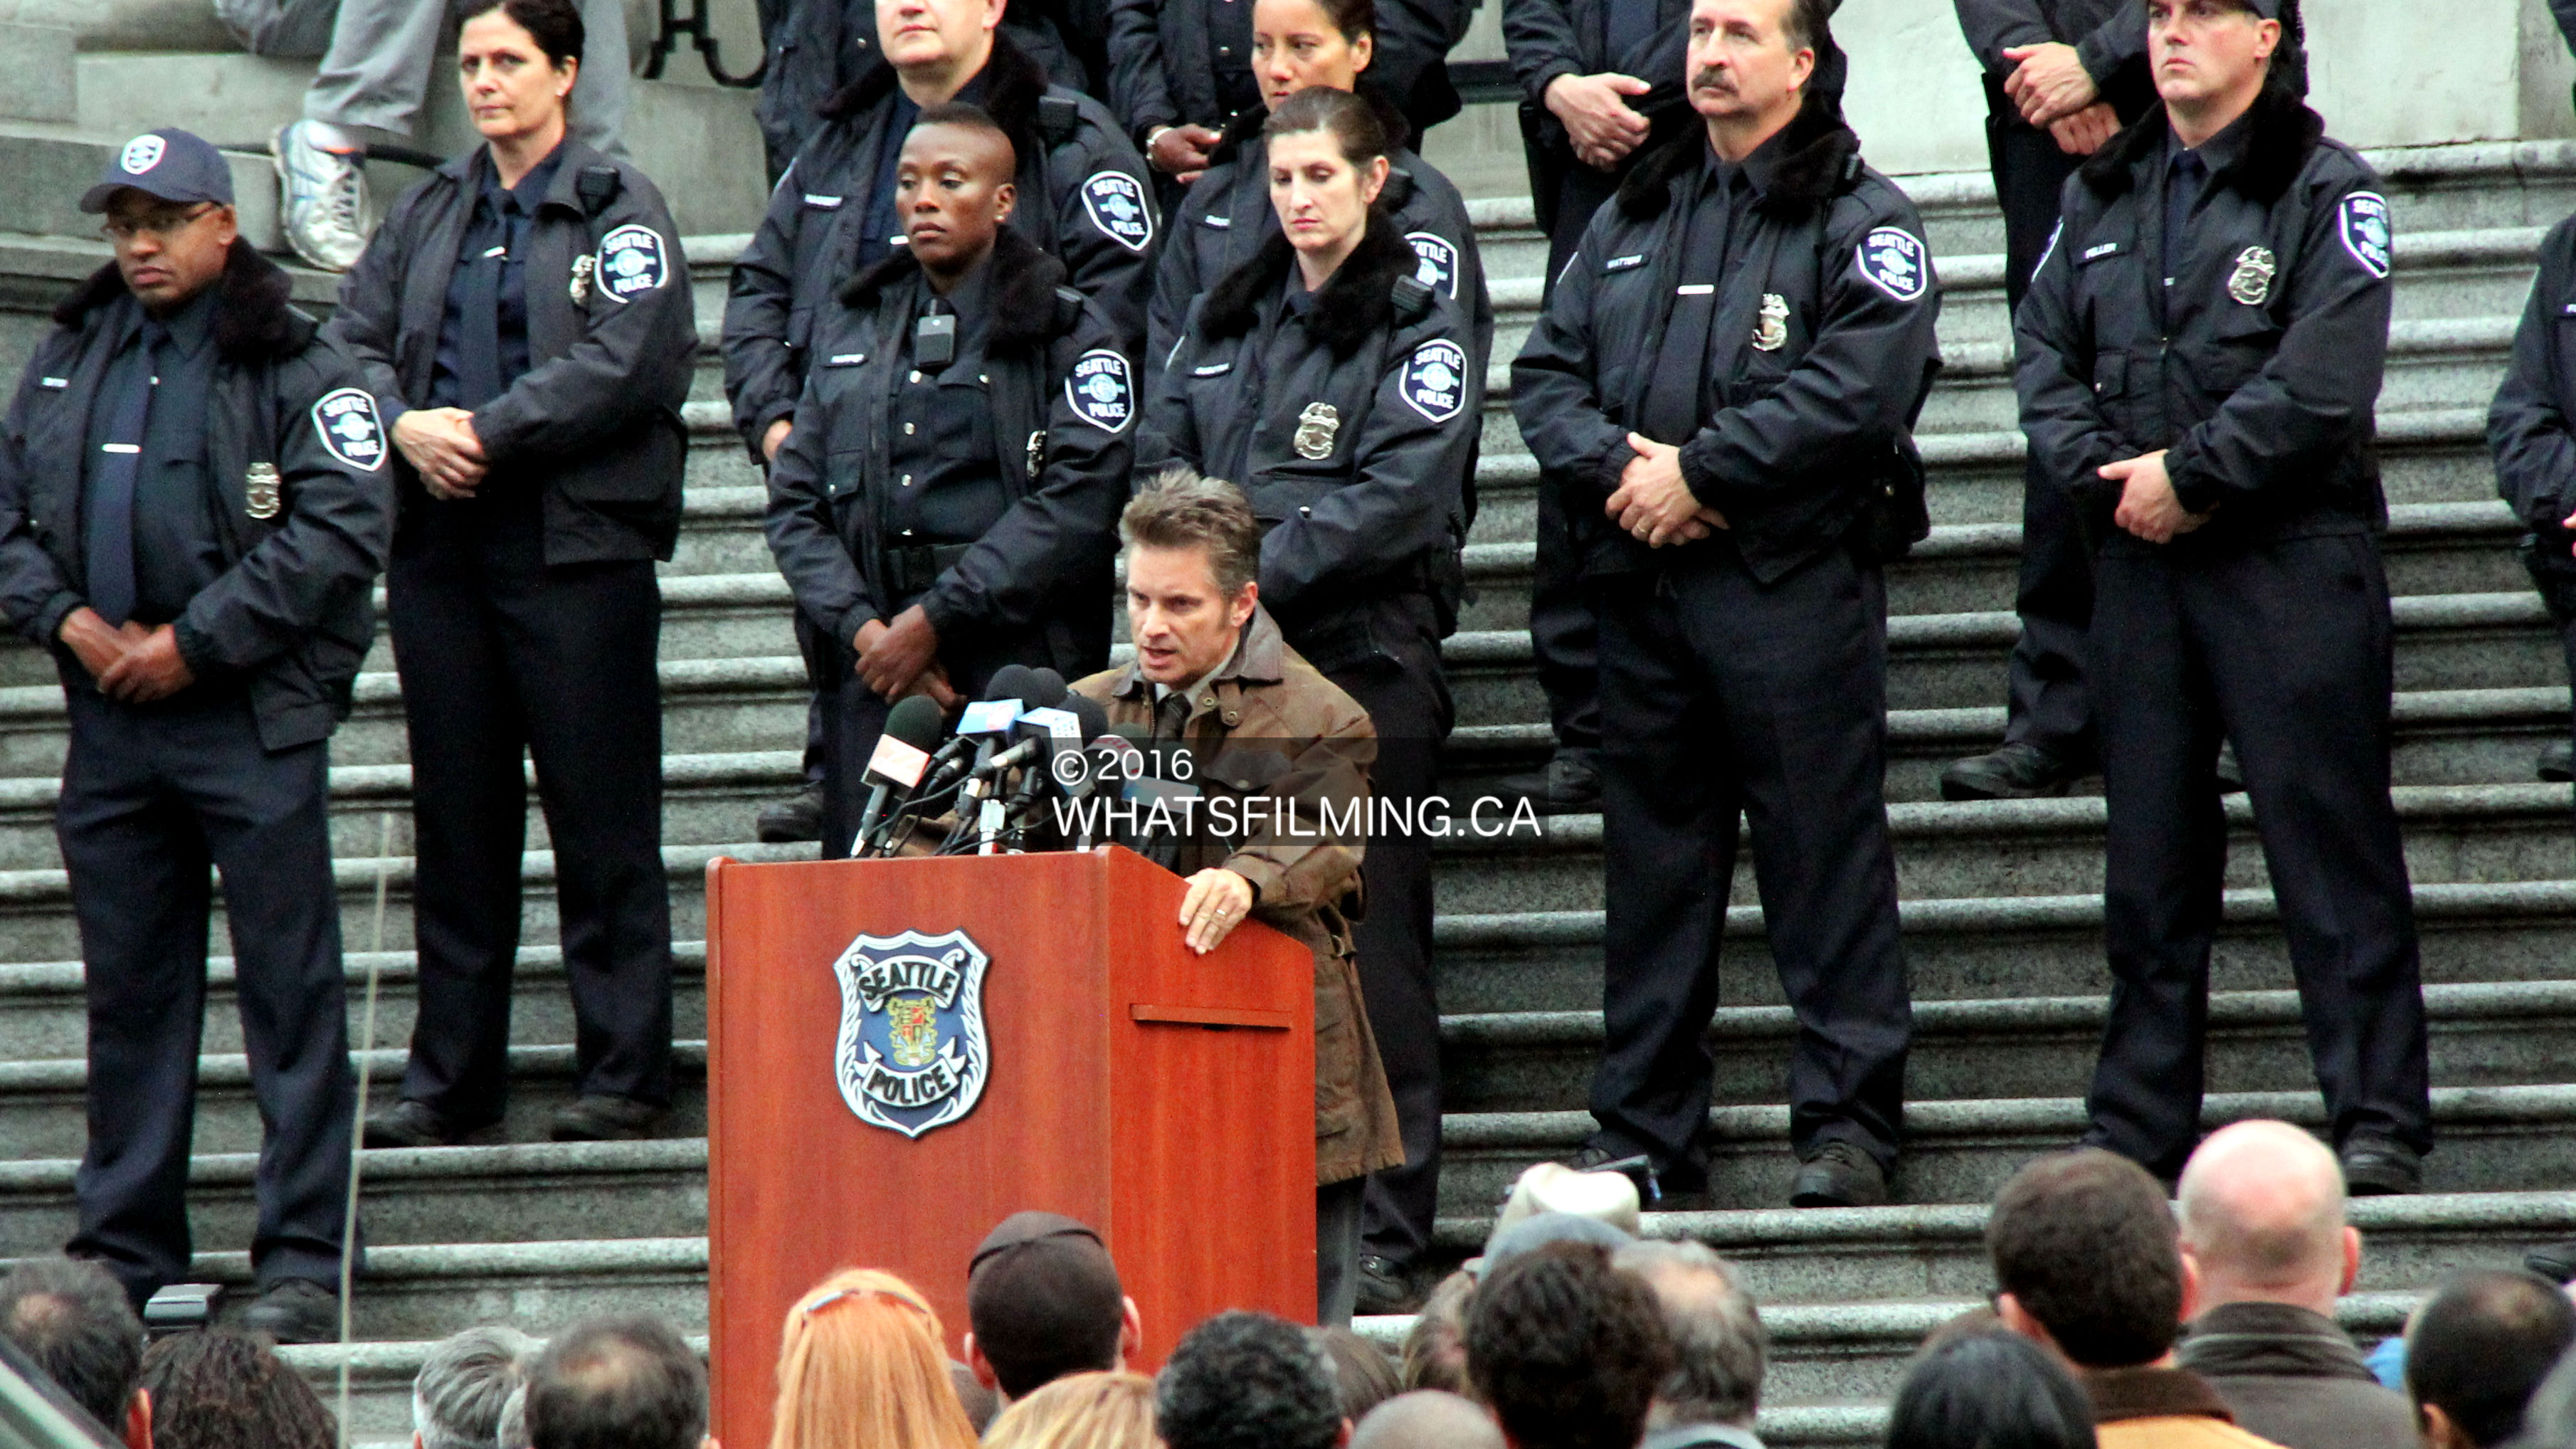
column 1719, row 1344
column 1180, row 509
column 456, row 1401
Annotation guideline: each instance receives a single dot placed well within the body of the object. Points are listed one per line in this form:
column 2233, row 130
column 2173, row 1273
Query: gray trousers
column 377, row 56
column 1337, row 1250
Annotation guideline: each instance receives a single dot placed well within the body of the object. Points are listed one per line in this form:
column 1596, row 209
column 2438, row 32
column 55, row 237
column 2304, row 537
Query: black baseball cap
column 1044, row 1301
column 171, row 164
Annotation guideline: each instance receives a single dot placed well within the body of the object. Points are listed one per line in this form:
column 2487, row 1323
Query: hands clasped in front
column 1654, row 502
column 133, row 663
column 2148, row 507
column 440, row 442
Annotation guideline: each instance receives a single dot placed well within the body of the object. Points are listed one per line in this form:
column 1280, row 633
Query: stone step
column 430, row 1290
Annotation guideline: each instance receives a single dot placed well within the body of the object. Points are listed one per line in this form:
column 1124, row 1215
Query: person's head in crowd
column 2549, row 1419
column 1748, row 63
column 2087, row 1260
column 862, row 1363
column 1328, row 162
column 1300, row 44
column 937, row 46
column 511, row 1430
column 1193, row 553
column 1511, row 1239
column 1720, row 1349
column 1362, row 1371
column 1102, row 1410
column 1989, row 1390
column 2262, row 1219
column 977, row 1398
column 1435, row 1348
column 623, row 1382
column 953, row 190
column 220, row 1389
column 1980, row 1319
column 1553, row 1187
column 168, row 203
column 517, row 60
column 1043, row 1301
column 74, row 1320
column 2210, row 61
column 465, row 1381
column 1249, row 1381
column 2478, row 1349
column 1427, row 1419
column 1567, row 1350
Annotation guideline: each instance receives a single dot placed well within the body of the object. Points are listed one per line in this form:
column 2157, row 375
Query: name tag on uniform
column 1213, row 369
column 2568, row 310
column 1621, row 264
column 1219, row 222
column 499, row 251
column 2108, row 248
column 845, row 359
column 1694, row 289
column 824, row 202
column 120, row 448
column 66, row 382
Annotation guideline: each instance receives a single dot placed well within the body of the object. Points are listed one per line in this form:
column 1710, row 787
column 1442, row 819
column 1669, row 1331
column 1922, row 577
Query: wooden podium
column 1165, row 1098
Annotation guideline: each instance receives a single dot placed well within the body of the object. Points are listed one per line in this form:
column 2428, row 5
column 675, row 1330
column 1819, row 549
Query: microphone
column 901, row 757
column 1047, row 689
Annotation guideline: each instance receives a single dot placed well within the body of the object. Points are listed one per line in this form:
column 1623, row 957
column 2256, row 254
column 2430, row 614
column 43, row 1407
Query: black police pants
column 1725, row 698
column 2285, row 649
column 559, row 664
column 2047, row 704
column 1407, row 698
column 152, row 796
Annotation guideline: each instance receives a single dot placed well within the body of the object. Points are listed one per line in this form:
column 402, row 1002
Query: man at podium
column 1212, row 673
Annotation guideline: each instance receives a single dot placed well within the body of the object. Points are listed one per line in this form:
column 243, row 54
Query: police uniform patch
column 1435, row 261
column 1435, row 379
column 1893, row 260
column 345, row 420
column 2362, row 222
column 2251, row 282
column 632, row 262
column 912, row 1052
column 1118, row 207
column 1101, row 390
column 141, row 154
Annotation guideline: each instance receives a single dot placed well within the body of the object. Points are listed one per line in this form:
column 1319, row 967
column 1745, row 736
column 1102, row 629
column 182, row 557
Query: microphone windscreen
column 1013, row 681
column 916, row 721
column 1047, row 691
column 1094, row 719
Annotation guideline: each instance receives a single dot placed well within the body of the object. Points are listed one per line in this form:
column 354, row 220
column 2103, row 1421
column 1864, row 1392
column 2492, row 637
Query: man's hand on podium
column 1218, row 901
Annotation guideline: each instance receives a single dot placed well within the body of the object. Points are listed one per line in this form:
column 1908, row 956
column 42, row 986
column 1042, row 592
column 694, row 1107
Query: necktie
column 478, row 370
column 1675, row 396
column 110, row 535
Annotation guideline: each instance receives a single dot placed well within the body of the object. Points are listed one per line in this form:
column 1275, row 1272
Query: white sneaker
column 322, row 190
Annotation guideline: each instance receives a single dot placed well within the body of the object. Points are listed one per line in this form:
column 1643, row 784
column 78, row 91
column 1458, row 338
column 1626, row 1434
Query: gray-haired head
column 1427, row 1419
column 465, row 1382
column 513, row 1431
column 1720, row 1347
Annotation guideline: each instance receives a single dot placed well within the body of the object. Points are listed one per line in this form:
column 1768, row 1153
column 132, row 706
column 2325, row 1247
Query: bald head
column 2262, row 1215
column 1427, row 1419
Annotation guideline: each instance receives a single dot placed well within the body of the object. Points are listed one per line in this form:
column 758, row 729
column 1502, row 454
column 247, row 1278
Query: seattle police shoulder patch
column 1435, row 379
column 1118, row 206
column 912, row 1052
column 1101, row 390
column 345, row 420
column 141, row 154
column 1436, row 261
column 633, row 261
column 1894, row 261
column 2362, row 222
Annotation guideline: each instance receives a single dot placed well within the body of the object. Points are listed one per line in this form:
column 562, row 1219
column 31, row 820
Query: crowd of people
column 2118, row 1320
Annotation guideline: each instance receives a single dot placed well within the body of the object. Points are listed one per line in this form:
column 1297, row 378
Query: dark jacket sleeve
column 331, row 545
column 1100, row 264
column 1993, row 26
column 366, row 324
column 1857, row 384
column 1138, row 91
column 1413, row 37
column 2527, row 428
column 636, row 357
column 1166, row 433
column 1176, row 271
column 1539, row 38
column 1066, row 527
column 1556, row 394
column 33, row 592
column 2316, row 393
column 2564, row 12
column 759, row 372
column 1409, row 472
column 1447, row 213
column 2115, row 44
column 2070, row 436
column 802, row 535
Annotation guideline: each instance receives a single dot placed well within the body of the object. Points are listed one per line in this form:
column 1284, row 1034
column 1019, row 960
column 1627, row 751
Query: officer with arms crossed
column 2199, row 357
column 193, row 509
column 1083, row 199
column 1213, row 671
column 1341, row 390
column 523, row 316
column 946, row 503
column 1729, row 371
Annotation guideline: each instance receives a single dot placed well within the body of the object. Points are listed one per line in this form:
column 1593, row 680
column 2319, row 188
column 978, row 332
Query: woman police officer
column 523, row 316
column 1224, row 216
column 1342, row 393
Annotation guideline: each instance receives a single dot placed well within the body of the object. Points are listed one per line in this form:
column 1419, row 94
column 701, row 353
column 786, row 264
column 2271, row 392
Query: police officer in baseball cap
column 193, row 509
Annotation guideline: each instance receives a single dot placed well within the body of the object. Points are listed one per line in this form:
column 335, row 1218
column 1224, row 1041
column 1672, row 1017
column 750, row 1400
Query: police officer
column 524, row 319
column 948, row 501
column 2061, row 76
column 1225, row 215
column 2199, row 356
column 1339, row 390
column 193, row 509
column 2534, row 443
column 1728, row 374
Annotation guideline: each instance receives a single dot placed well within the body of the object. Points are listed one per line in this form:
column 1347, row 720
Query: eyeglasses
column 159, row 224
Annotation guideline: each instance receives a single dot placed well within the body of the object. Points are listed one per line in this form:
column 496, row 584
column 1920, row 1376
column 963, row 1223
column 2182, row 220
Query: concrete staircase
column 2002, row 905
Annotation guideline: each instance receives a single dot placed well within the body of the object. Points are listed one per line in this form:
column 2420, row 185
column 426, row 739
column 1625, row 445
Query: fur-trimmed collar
column 1013, row 86
column 1023, row 293
column 1819, row 157
column 2280, row 132
column 254, row 319
column 1357, row 302
column 1245, row 128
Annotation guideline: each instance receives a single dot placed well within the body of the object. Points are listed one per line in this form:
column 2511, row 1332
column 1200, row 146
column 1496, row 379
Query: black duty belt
column 914, row 568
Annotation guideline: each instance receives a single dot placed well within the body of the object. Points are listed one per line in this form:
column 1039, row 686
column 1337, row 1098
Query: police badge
column 2251, row 282
column 1315, row 429
column 1771, row 333
column 1037, row 451
column 582, row 267
column 260, row 496
column 912, row 1053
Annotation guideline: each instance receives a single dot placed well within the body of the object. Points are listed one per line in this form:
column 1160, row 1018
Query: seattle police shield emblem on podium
column 913, row 1054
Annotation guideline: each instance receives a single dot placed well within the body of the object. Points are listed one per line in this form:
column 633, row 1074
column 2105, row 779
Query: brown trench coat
column 1272, row 700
